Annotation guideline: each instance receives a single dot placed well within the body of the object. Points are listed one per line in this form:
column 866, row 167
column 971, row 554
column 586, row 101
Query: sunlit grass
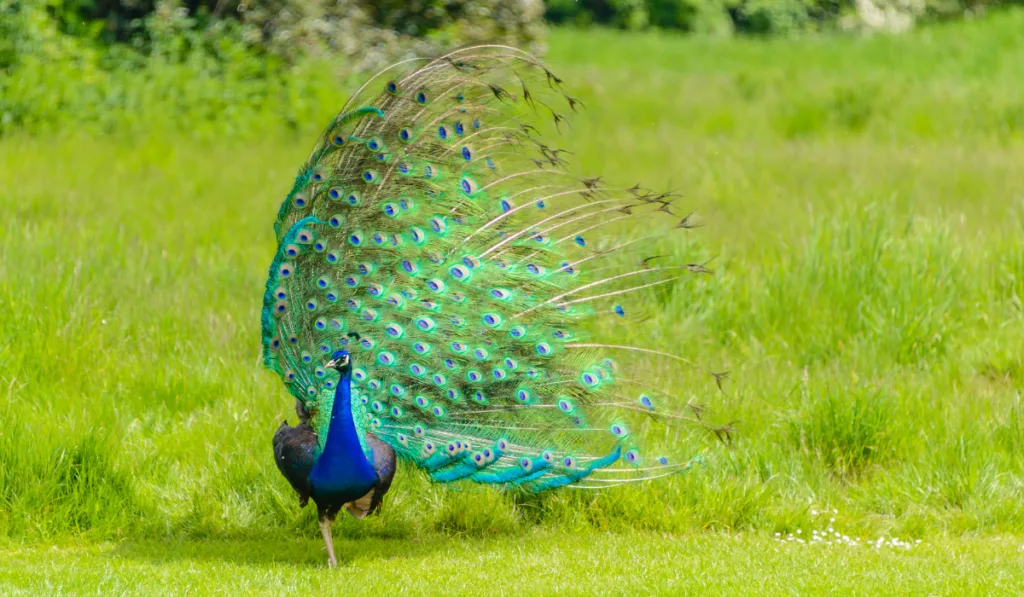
column 534, row 563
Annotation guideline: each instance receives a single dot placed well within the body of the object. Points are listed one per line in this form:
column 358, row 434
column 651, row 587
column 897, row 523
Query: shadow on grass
column 303, row 552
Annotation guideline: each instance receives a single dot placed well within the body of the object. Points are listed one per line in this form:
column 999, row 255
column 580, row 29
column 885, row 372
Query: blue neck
column 342, row 471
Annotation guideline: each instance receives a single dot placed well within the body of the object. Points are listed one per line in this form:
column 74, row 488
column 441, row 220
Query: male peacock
column 437, row 273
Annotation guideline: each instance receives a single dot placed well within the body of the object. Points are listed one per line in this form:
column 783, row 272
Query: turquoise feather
column 434, row 223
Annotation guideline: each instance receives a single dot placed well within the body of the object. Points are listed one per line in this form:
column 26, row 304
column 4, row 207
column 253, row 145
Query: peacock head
column 340, row 361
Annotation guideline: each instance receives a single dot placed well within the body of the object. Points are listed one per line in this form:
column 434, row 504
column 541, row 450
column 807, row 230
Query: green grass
column 863, row 201
column 543, row 563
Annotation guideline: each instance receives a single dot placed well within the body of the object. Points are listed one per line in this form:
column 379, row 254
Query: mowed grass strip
column 537, row 563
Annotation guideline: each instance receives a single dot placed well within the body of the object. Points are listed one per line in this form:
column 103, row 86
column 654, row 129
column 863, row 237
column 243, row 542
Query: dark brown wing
column 293, row 453
column 384, row 462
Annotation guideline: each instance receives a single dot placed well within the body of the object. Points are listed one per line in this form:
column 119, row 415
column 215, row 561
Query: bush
column 373, row 32
column 762, row 17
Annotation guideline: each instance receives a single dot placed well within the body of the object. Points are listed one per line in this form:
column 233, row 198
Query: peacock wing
column 294, row 449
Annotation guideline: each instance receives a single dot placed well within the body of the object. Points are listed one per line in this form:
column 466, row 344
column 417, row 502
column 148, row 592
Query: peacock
column 441, row 288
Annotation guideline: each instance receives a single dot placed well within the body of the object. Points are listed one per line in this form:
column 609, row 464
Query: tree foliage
column 761, row 17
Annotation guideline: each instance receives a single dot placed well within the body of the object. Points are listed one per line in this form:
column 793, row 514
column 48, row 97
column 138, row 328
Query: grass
column 863, row 204
column 545, row 563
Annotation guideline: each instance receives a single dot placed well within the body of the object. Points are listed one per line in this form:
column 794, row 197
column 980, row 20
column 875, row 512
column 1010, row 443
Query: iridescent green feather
column 435, row 223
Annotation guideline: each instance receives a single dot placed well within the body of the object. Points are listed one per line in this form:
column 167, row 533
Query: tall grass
column 862, row 200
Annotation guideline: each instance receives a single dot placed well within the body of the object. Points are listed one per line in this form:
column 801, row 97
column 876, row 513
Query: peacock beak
column 331, row 364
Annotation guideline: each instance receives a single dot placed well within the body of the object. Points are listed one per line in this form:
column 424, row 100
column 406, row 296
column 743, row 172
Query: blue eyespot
column 468, row 185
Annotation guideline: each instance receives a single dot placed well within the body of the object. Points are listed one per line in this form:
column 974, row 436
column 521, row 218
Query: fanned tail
column 433, row 221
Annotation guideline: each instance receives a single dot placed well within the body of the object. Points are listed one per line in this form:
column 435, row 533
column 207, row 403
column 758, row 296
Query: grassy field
column 863, row 202
column 545, row 563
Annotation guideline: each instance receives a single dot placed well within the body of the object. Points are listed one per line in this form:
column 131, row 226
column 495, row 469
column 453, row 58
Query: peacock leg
column 325, row 529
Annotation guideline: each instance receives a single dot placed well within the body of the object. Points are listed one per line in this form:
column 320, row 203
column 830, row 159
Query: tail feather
column 433, row 219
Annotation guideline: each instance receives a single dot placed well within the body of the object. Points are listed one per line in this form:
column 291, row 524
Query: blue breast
column 342, row 473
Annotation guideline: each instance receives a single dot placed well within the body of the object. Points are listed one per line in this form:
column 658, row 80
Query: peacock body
column 437, row 273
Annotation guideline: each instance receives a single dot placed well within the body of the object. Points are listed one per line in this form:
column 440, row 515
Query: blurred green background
column 85, row 62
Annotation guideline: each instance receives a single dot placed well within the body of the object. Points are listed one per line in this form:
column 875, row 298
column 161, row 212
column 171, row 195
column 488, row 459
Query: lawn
column 862, row 200
column 537, row 563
